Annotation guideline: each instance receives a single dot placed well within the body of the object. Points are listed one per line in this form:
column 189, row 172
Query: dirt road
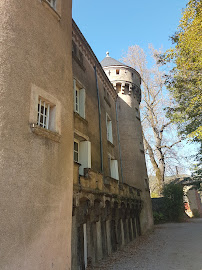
column 172, row 246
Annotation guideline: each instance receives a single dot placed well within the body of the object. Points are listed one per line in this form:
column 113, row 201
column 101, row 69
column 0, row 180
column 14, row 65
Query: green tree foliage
column 185, row 82
column 173, row 202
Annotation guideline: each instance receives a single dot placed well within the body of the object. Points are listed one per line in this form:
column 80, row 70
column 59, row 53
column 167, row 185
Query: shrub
column 158, row 217
column 173, row 202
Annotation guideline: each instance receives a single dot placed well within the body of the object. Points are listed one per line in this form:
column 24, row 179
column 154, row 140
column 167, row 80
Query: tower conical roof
column 109, row 61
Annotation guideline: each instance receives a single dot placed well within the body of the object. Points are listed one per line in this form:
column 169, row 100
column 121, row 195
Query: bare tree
column 159, row 136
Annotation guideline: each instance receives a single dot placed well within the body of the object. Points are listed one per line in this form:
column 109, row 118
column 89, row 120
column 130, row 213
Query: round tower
column 127, row 82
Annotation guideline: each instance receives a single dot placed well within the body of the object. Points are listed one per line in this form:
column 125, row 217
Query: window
column 113, row 164
column 117, row 71
column 76, row 151
column 146, row 182
column 109, row 129
column 52, row 3
column 80, row 56
column 79, row 99
column 43, row 114
column 137, row 113
column 46, row 114
column 74, row 47
column 82, row 154
column 141, row 147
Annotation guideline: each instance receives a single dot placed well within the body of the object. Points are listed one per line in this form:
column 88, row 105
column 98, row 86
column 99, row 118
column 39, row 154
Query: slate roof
column 109, row 61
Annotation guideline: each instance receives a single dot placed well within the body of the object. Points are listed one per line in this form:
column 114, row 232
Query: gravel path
column 171, row 246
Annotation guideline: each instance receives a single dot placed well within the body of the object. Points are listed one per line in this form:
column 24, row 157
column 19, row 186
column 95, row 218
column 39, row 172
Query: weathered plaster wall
column 85, row 75
column 35, row 171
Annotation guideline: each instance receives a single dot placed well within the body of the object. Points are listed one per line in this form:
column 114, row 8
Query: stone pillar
column 108, row 232
column 99, row 240
column 122, row 232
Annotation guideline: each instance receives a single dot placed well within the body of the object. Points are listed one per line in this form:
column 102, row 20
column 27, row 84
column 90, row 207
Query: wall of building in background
column 111, row 200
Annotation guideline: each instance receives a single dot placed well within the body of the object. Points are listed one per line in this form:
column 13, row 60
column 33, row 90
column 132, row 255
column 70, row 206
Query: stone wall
column 110, row 213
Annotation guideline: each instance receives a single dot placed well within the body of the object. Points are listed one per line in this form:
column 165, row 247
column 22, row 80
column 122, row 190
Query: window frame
column 84, row 154
column 52, row 3
column 77, row 142
column 54, row 124
column 109, row 128
column 79, row 98
column 44, row 113
column 113, row 163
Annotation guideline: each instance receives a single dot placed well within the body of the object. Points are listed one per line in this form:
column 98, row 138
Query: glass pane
column 76, row 146
column 42, row 109
column 76, row 156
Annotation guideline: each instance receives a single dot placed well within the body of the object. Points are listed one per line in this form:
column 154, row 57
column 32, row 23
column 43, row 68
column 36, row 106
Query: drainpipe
column 117, row 122
column 100, row 127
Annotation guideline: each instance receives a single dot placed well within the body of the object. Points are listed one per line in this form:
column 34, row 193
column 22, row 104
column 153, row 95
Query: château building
column 74, row 185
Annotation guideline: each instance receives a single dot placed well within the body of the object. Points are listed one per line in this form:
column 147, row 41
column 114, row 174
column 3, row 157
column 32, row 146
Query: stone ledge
column 78, row 116
column 54, row 136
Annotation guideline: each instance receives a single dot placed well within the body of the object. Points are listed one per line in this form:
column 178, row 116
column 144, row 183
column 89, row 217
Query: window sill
column 77, row 115
column 54, row 136
column 77, row 163
column 52, row 10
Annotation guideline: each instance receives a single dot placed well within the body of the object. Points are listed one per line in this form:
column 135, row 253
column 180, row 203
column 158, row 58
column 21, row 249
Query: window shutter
column 114, row 169
column 74, row 87
column 84, row 156
column 110, row 132
column 82, row 96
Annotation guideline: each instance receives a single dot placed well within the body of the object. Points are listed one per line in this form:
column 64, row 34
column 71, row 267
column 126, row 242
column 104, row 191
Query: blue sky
column 115, row 25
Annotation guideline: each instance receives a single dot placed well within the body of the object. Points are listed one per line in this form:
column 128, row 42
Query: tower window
column 117, row 71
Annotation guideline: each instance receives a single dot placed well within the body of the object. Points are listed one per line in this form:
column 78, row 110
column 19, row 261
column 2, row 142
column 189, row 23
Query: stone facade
column 127, row 83
column 35, row 171
column 109, row 209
